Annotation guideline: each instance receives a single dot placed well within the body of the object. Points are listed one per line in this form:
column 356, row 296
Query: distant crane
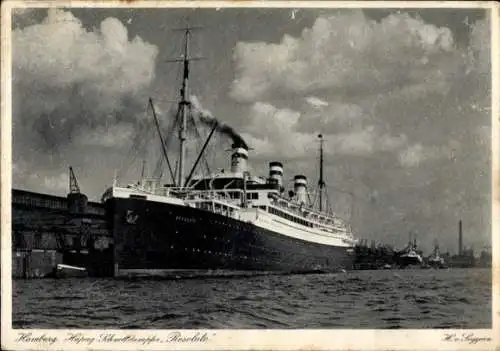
column 73, row 183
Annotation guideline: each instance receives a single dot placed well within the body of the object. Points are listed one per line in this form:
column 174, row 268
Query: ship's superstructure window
column 252, row 196
column 290, row 217
column 221, row 209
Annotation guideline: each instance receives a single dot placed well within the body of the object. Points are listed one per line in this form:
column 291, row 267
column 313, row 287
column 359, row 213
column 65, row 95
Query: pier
column 48, row 231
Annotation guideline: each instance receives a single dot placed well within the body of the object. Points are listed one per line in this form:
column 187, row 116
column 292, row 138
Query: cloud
column 67, row 78
column 50, row 182
column 366, row 141
column 110, row 136
column 357, row 66
column 404, row 110
column 316, row 102
column 415, row 154
column 270, row 131
column 334, row 117
column 56, row 184
column 23, row 11
column 345, row 51
column 366, row 73
column 480, row 47
column 75, row 89
column 412, row 156
column 275, row 132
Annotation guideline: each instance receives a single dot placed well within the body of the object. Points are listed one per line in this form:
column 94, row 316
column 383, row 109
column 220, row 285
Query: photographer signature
column 468, row 337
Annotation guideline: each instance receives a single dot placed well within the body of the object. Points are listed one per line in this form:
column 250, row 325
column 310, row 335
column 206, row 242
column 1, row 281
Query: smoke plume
column 208, row 119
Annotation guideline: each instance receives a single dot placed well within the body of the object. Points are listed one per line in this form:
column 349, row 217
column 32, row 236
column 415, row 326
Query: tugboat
column 228, row 221
column 435, row 260
column 409, row 257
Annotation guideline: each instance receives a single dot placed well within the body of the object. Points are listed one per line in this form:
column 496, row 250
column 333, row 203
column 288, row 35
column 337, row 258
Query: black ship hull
column 153, row 238
column 436, row 264
column 409, row 262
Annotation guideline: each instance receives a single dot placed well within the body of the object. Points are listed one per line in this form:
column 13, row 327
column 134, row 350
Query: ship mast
column 184, row 106
column 321, row 182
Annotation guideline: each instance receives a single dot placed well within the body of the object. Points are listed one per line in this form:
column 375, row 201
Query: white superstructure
column 259, row 201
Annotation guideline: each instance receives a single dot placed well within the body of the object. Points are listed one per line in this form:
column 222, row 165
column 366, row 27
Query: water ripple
column 360, row 299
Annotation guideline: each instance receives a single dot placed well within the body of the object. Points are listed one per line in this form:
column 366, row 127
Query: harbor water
column 420, row 298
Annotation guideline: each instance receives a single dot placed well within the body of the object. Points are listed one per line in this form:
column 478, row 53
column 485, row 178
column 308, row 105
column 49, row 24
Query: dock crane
column 77, row 207
column 73, row 183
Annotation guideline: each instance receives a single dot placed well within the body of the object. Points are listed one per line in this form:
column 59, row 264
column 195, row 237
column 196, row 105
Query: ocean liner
column 224, row 222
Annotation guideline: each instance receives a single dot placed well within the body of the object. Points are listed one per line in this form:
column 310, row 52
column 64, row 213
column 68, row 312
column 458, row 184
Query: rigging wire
column 200, row 140
column 159, row 169
column 326, row 196
column 139, row 142
column 137, row 145
column 161, row 140
column 160, row 163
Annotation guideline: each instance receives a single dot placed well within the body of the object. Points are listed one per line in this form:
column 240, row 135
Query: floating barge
column 67, row 271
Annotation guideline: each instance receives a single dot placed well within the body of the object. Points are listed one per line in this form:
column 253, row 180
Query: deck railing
column 322, row 220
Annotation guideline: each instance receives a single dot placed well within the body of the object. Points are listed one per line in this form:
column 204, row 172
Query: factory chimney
column 460, row 238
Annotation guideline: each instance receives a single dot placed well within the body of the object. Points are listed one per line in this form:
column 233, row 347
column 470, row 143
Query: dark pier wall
column 374, row 257
column 46, row 230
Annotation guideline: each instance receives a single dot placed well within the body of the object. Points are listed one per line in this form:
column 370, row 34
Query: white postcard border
column 445, row 339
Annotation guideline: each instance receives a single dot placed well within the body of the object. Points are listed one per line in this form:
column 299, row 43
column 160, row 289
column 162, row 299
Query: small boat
column 435, row 260
column 410, row 257
column 66, row 271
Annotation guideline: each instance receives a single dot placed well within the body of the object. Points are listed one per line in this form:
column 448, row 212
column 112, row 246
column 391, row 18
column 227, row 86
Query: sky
column 402, row 98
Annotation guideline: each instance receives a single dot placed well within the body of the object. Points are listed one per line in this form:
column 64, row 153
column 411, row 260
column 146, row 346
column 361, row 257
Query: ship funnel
column 276, row 173
column 239, row 158
column 300, row 188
